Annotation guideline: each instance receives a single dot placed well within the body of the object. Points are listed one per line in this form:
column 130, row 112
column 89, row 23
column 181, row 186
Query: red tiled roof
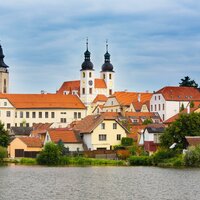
column 126, row 98
column 193, row 140
column 43, row 101
column 100, row 97
column 140, row 114
column 67, row 136
column 179, row 93
column 31, row 141
column 99, row 83
column 69, row 86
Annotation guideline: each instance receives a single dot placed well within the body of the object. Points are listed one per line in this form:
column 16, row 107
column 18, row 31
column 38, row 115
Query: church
column 89, row 87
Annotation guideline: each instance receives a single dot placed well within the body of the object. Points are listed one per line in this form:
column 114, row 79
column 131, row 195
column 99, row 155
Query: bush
column 192, row 157
column 140, row 160
column 28, row 161
column 3, row 153
column 50, row 155
column 127, row 141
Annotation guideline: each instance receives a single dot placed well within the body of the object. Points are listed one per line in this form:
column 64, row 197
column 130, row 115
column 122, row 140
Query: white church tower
column 87, row 92
column 4, row 74
column 107, row 73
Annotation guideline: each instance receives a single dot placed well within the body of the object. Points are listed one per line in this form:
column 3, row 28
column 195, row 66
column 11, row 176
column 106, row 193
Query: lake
column 91, row 183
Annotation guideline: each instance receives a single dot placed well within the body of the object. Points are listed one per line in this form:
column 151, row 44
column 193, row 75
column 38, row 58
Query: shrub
column 3, row 153
column 192, row 157
column 123, row 154
column 127, row 141
column 28, row 161
column 140, row 160
column 50, row 155
column 64, row 160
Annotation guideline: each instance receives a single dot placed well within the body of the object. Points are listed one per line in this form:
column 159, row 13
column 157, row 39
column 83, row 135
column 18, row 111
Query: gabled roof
column 193, row 140
column 101, row 98
column 21, row 131
column 155, row 128
column 66, row 135
column 69, row 86
column 126, row 98
column 43, row 101
column 99, row 83
column 174, row 93
column 31, row 141
column 141, row 114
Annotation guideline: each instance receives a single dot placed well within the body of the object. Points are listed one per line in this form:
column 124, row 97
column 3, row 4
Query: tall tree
column 4, row 137
column 187, row 82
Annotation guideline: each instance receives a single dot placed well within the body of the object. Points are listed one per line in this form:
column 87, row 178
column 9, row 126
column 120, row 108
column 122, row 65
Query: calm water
column 90, row 183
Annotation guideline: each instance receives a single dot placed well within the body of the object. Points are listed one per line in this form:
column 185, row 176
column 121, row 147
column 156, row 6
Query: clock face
column 90, row 82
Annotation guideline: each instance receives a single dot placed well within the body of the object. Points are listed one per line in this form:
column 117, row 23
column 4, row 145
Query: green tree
column 4, row 137
column 187, row 82
column 50, row 155
column 61, row 147
column 147, row 121
column 3, row 153
column 185, row 125
column 192, row 104
column 182, row 107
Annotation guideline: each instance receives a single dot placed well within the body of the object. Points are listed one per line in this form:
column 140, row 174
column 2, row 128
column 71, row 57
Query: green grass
column 28, row 161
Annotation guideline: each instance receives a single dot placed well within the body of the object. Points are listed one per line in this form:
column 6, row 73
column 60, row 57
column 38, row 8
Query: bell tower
column 87, row 79
column 4, row 74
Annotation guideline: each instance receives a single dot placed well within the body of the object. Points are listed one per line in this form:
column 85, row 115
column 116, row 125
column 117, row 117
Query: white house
column 169, row 100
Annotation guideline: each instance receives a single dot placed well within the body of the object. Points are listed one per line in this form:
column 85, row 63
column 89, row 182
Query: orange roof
column 135, row 130
column 31, row 141
column 66, row 135
column 99, row 83
column 43, row 101
column 69, row 86
column 100, row 97
column 126, row 98
column 140, row 114
column 179, row 93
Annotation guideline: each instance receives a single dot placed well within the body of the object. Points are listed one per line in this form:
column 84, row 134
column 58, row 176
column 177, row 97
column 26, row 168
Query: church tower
column 87, row 79
column 107, row 72
column 4, row 74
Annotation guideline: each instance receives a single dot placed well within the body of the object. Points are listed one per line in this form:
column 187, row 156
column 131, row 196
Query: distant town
column 89, row 116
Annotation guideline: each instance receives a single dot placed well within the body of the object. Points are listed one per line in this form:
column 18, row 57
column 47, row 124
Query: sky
column 153, row 43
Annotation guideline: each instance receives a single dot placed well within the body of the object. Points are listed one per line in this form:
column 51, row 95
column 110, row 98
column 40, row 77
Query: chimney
column 139, row 97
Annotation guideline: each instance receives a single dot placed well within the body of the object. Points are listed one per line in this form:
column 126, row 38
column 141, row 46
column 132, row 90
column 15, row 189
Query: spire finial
column 106, row 45
column 87, row 43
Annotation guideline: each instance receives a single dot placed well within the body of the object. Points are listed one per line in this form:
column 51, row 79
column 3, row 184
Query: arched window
column 104, row 76
column 83, row 74
column 110, row 76
column 90, row 74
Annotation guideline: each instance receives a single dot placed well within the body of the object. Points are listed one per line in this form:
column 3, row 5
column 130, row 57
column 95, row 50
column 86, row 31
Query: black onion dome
column 87, row 64
column 107, row 66
column 2, row 64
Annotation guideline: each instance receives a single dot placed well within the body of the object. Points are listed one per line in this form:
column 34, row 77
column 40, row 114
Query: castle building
column 89, row 87
column 4, row 74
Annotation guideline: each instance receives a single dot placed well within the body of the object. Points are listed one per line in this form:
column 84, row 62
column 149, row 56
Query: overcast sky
column 153, row 43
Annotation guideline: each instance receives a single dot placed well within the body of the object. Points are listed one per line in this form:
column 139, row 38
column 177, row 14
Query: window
column 83, row 74
column 46, row 115
column 163, row 106
column 5, row 86
column 75, row 115
column 8, row 113
column 104, row 76
column 63, row 120
column 102, row 125
column 110, row 92
column 40, row 114
column 5, row 103
column 155, row 98
column 21, row 124
column 102, row 137
column 52, row 114
column 155, row 107
column 118, row 136
column 15, row 124
column 8, row 126
column 163, row 117
column 114, row 125
column 158, row 106
column 90, row 74
column 151, row 107
column 83, row 90
column 159, row 97
column 27, row 114
column 33, row 115
column 27, row 124
column 79, row 115
column 90, row 90
column 110, row 76
column 21, row 114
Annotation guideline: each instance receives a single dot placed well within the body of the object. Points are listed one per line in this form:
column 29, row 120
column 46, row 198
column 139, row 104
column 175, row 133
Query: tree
column 182, row 107
column 3, row 153
column 147, row 121
column 187, row 82
column 4, row 137
column 50, row 155
column 185, row 125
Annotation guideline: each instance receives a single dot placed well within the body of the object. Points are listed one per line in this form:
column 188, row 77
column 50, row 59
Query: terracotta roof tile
column 43, row 101
column 101, row 98
column 69, row 86
column 31, row 141
column 193, row 140
column 99, row 83
column 179, row 93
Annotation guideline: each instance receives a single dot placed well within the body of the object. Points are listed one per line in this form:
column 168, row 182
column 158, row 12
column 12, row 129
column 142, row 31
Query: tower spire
column 106, row 45
column 87, row 44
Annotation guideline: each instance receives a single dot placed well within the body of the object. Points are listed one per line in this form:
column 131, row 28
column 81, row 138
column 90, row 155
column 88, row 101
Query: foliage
column 3, row 153
column 140, row 160
column 147, row 121
column 4, row 137
column 61, row 147
column 28, row 161
column 182, row 107
column 50, row 155
column 119, row 147
column 126, row 141
column 123, row 154
column 185, row 125
column 192, row 104
column 192, row 157
column 126, row 124
column 187, row 82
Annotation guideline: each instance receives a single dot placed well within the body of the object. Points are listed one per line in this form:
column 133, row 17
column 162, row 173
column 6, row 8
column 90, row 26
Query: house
column 193, row 140
column 127, row 102
column 27, row 109
column 69, row 138
column 24, row 147
column 20, row 132
column 169, row 100
column 101, row 132
column 150, row 137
